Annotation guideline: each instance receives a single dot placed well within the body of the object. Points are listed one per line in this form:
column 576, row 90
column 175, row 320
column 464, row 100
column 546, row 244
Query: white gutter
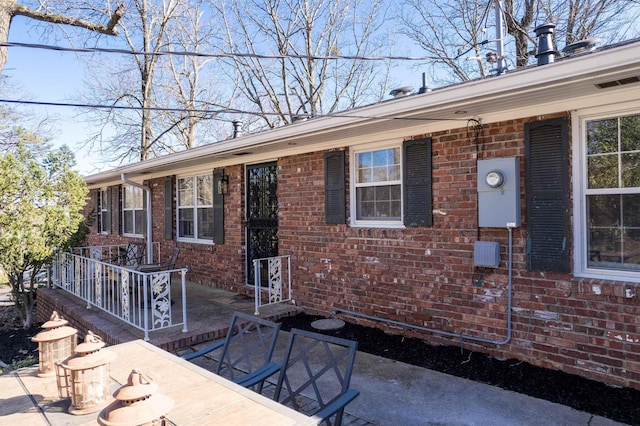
column 147, row 191
column 597, row 65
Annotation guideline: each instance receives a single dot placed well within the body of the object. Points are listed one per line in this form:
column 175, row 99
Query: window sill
column 378, row 225
column 192, row 245
column 608, row 276
column 194, row 241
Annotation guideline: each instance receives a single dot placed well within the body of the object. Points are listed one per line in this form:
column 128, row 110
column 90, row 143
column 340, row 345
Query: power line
column 214, row 111
column 121, row 107
column 219, row 55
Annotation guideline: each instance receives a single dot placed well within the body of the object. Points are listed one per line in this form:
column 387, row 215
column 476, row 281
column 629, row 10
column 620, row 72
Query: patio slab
column 394, row 393
column 391, row 393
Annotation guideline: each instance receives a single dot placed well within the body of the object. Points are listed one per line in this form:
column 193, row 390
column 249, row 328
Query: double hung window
column 612, row 193
column 104, row 211
column 377, row 185
column 133, row 212
column 607, row 193
column 195, row 208
column 390, row 185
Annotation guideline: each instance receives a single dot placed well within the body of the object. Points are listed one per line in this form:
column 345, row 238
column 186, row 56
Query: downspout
column 147, row 191
column 447, row 333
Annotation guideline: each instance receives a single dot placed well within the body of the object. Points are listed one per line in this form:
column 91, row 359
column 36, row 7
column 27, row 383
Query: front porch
column 209, row 312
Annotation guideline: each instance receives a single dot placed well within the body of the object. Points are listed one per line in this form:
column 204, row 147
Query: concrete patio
column 391, row 392
column 398, row 394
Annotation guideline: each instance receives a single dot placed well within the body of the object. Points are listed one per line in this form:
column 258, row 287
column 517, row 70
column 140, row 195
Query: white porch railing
column 114, row 251
column 272, row 278
column 142, row 300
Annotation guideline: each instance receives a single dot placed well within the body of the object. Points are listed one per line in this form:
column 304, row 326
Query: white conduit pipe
column 147, row 191
column 447, row 333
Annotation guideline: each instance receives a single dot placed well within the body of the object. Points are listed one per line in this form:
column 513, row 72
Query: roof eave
column 600, row 63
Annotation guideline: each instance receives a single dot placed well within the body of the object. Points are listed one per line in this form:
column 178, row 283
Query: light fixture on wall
column 223, row 185
column 84, row 377
column 55, row 343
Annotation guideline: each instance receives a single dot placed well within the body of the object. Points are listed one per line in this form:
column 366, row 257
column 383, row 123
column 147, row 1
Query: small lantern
column 136, row 404
column 55, row 343
column 85, row 376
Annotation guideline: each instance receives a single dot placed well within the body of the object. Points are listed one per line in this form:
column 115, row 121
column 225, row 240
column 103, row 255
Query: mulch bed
column 15, row 342
column 619, row 404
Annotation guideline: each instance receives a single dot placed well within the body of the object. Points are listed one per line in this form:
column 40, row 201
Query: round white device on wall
column 495, row 179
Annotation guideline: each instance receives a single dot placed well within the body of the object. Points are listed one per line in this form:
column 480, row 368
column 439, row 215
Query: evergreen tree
column 40, row 202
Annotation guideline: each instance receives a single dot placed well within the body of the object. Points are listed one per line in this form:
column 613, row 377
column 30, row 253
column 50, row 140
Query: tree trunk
column 6, row 13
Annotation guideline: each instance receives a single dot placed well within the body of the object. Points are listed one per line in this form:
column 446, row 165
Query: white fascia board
column 598, row 64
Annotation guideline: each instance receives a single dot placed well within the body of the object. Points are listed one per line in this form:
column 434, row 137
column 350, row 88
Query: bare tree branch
column 300, row 84
column 109, row 29
column 186, row 83
column 442, row 27
column 9, row 9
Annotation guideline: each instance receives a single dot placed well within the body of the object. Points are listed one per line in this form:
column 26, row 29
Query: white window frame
column 355, row 222
column 194, row 207
column 126, row 189
column 102, row 198
column 579, row 177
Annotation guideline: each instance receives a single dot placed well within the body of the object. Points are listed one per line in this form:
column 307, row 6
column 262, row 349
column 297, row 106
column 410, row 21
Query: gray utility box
column 486, row 253
column 499, row 192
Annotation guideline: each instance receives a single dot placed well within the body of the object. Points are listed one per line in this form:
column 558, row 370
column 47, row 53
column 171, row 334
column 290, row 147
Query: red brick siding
column 425, row 276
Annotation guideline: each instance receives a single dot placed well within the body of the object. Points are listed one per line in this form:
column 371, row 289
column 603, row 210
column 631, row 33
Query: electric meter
column 495, row 179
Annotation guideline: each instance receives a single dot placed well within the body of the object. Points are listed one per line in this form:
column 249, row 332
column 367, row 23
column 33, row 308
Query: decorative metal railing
column 145, row 300
column 115, row 251
column 272, row 278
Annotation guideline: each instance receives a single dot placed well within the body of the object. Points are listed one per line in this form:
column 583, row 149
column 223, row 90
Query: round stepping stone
column 327, row 324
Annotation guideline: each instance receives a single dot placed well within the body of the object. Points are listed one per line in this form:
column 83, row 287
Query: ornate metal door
column 262, row 214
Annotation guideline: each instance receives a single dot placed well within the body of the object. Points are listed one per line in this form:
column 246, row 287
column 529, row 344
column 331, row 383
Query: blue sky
column 48, row 76
column 51, row 76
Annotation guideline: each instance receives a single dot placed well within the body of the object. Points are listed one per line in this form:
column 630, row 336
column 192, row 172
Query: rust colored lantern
column 55, row 343
column 137, row 403
column 84, row 376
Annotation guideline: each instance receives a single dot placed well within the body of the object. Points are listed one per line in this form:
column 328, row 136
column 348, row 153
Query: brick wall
column 425, row 276
column 213, row 265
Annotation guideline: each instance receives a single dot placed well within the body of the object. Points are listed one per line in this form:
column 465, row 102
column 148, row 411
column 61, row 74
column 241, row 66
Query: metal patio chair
column 164, row 265
column 316, row 374
column 129, row 256
column 246, row 351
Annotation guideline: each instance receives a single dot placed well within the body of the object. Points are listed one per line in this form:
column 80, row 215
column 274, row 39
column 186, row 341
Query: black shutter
column 334, row 184
column 416, row 176
column 107, row 203
column 116, row 212
column 218, row 208
column 168, row 208
column 547, row 188
column 95, row 199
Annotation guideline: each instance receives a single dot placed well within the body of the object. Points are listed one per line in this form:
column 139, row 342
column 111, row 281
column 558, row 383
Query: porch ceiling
column 561, row 86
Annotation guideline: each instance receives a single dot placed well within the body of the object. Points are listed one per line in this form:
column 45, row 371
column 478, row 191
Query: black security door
column 262, row 214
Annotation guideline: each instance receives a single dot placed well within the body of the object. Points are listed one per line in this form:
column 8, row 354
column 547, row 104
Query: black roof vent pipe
column 424, row 88
column 546, row 52
column 237, row 128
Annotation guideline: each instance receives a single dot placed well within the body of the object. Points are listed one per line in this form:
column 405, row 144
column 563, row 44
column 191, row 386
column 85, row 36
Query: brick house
column 497, row 213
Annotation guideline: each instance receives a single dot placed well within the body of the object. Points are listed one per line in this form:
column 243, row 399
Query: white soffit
column 561, row 86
